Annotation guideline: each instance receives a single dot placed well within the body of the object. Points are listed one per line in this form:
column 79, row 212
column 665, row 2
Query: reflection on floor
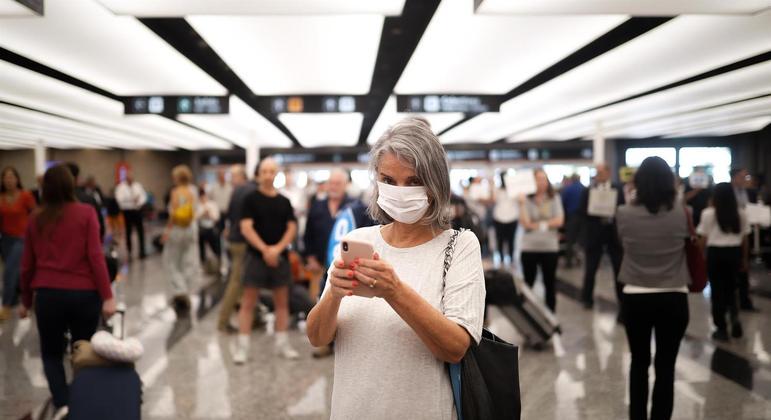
column 188, row 371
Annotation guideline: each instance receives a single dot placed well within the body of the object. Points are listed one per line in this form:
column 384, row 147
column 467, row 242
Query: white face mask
column 404, row 204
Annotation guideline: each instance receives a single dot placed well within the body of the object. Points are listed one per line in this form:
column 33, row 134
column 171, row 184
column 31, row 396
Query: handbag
column 485, row 383
column 697, row 267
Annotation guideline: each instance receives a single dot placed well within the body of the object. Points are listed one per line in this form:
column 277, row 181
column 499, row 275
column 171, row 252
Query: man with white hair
column 321, row 219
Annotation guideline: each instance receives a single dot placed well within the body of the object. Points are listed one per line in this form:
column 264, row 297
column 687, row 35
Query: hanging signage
column 468, row 104
column 312, row 103
column 174, row 105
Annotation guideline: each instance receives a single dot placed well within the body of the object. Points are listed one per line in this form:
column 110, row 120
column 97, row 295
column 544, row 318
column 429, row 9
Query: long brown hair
column 58, row 190
column 2, row 176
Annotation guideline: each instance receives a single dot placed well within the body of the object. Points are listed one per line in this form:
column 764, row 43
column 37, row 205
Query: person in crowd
column 268, row 224
column 208, row 216
column 16, row 204
column 64, row 275
column 653, row 230
column 236, row 245
column 321, row 218
column 131, row 197
column 220, row 193
column 479, row 199
column 600, row 237
column 180, row 238
column 85, row 197
column 505, row 216
column 115, row 221
column 93, row 189
column 739, row 181
column 396, row 345
column 698, row 190
column 571, row 200
column 724, row 228
column 38, row 191
column 319, row 194
column 541, row 216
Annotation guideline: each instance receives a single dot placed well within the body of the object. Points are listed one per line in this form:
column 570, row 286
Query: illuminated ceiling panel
column 631, row 7
column 671, row 52
column 327, row 129
column 27, row 88
column 736, row 85
column 748, row 126
column 465, row 53
column 240, row 125
column 388, row 117
column 180, row 8
column 14, row 8
column 116, row 53
column 277, row 55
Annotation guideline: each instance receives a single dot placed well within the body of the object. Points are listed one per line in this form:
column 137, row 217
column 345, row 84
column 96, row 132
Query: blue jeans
column 11, row 248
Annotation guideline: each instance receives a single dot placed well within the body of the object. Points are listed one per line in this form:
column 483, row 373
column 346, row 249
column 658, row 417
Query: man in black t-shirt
column 268, row 224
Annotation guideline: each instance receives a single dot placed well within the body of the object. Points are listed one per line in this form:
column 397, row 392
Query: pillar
column 598, row 144
column 40, row 157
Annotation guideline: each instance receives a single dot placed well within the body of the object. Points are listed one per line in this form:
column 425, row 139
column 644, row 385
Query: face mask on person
column 404, row 204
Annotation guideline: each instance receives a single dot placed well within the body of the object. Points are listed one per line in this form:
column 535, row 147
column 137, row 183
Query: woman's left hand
column 378, row 275
column 23, row 312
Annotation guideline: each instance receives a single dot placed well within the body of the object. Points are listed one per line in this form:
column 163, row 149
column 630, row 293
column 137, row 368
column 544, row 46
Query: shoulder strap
column 448, row 253
column 689, row 220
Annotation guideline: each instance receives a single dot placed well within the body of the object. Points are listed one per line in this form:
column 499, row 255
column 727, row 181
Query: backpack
column 182, row 215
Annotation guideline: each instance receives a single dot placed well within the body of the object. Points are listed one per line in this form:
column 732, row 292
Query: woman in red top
column 64, row 272
column 15, row 207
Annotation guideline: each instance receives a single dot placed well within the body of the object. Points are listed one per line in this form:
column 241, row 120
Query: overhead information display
column 174, row 105
column 468, row 104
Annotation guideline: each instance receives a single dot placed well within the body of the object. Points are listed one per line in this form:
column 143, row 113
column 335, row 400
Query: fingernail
column 355, row 284
column 356, row 260
column 350, row 293
column 350, row 274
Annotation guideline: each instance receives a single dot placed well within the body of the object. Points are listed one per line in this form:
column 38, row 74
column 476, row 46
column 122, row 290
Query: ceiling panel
column 461, row 52
column 187, row 138
column 747, row 126
column 663, row 126
column 116, row 53
column 388, row 117
column 241, row 125
column 27, row 88
column 178, row 8
column 671, row 52
column 327, row 129
column 276, row 55
column 733, row 86
column 14, row 8
column 631, row 7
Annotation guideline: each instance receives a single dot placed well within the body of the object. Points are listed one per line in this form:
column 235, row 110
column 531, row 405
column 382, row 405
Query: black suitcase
column 521, row 306
column 113, row 392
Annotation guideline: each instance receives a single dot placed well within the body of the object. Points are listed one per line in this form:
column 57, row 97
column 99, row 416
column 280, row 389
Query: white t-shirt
column 382, row 368
column 211, row 209
column 506, row 209
column 710, row 228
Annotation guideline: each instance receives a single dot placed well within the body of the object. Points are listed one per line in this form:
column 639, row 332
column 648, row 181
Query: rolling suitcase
column 522, row 307
column 106, row 392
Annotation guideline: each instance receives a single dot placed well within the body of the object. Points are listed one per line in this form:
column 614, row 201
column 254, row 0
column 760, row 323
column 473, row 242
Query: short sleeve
column 464, row 290
column 248, row 208
column 289, row 210
column 29, row 201
column 706, row 222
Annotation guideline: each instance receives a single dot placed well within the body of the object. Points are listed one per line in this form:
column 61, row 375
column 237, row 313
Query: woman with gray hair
column 391, row 350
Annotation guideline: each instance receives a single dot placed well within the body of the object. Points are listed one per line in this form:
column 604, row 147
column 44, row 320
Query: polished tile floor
column 188, row 372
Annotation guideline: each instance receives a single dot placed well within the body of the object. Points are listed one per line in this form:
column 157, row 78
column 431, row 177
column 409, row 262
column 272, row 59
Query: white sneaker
column 61, row 413
column 239, row 355
column 287, row 352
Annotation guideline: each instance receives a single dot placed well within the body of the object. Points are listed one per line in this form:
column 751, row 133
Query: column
column 40, row 157
column 252, row 155
column 598, row 144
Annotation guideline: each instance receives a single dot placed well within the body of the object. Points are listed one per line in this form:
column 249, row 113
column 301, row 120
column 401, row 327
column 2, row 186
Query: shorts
column 258, row 274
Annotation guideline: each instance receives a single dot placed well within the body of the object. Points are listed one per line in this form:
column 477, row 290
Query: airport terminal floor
column 188, row 373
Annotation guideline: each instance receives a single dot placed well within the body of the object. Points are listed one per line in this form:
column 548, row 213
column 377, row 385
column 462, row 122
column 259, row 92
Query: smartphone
column 350, row 249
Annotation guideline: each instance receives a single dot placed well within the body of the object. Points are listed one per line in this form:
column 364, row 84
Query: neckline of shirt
column 390, row 247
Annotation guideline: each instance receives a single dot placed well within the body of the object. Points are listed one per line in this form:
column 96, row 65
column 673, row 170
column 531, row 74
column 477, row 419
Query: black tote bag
column 489, row 373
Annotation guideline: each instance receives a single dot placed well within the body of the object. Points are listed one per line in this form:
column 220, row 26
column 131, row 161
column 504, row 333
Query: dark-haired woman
column 541, row 215
column 15, row 207
column 653, row 229
column 724, row 226
column 63, row 271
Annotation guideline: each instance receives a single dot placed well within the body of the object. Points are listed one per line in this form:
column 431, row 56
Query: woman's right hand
column 108, row 308
column 342, row 280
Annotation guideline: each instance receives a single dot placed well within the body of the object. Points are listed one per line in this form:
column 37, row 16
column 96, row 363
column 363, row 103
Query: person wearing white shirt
column 724, row 228
column 131, row 197
column 208, row 216
column 220, row 193
column 505, row 216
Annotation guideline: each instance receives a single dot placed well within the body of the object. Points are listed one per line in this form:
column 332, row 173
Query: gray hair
column 412, row 142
